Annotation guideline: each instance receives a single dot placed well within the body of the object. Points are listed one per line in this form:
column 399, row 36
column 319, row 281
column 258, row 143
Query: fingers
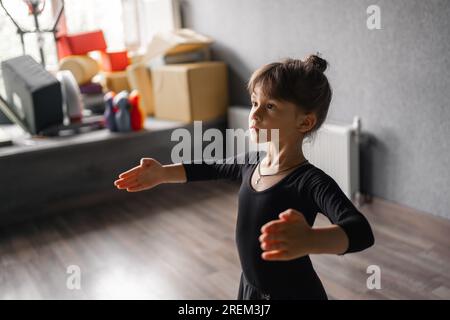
column 131, row 185
column 125, row 183
column 273, row 226
column 130, row 173
column 119, row 181
column 132, row 179
column 274, row 236
column 273, row 232
column 273, row 245
column 276, row 255
column 269, row 237
column 137, row 188
column 291, row 215
column 127, row 178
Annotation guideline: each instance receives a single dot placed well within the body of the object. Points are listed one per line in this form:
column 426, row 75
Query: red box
column 115, row 61
column 80, row 43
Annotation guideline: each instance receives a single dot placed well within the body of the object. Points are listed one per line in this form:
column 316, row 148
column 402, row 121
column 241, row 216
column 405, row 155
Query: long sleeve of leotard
column 333, row 203
column 229, row 168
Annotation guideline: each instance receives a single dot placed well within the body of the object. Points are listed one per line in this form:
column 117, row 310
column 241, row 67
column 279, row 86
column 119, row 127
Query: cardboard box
column 200, row 55
column 135, row 57
column 174, row 42
column 190, row 92
column 139, row 78
column 116, row 81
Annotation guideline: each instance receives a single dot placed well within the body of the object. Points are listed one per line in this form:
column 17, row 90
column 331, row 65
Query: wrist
column 314, row 240
column 166, row 176
column 328, row 240
column 173, row 173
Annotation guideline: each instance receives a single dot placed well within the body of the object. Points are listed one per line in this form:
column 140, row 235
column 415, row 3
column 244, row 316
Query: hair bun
column 316, row 62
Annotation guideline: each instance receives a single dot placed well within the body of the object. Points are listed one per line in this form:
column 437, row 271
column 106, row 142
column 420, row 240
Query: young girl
column 281, row 194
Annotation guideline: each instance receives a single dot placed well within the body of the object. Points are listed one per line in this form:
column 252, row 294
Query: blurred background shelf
column 46, row 175
column 24, row 142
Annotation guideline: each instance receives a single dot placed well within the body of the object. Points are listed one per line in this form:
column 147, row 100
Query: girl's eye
column 253, row 104
column 270, row 106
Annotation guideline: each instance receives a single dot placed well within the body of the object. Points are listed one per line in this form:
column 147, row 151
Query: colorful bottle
column 123, row 113
column 136, row 114
column 110, row 119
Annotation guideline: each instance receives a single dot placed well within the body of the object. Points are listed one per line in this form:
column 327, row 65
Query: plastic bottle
column 122, row 115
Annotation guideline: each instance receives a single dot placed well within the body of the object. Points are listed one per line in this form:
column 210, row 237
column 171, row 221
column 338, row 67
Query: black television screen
column 33, row 94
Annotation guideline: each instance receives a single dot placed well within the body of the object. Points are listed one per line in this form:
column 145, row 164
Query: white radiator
column 334, row 148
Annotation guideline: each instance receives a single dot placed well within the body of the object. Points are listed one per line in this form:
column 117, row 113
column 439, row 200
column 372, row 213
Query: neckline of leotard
column 252, row 171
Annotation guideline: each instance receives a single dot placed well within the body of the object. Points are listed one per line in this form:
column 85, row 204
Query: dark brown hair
column 302, row 83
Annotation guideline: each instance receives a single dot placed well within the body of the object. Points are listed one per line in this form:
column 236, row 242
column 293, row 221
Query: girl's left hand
column 287, row 238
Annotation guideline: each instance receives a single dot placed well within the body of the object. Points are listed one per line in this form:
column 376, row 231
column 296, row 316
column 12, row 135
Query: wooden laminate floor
column 177, row 242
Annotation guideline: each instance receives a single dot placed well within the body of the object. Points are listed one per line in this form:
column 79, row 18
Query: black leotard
column 306, row 189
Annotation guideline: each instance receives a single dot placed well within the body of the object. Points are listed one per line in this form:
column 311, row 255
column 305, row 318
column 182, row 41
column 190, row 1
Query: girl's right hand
column 148, row 174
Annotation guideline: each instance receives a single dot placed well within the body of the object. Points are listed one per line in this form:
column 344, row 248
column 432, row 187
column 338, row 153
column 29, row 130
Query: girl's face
column 267, row 113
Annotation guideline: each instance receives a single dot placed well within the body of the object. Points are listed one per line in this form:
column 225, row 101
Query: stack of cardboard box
column 186, row 86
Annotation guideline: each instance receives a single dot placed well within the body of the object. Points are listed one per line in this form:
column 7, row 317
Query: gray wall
column 397, row 79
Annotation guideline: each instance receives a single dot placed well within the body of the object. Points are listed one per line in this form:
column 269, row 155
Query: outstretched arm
column 149, row 174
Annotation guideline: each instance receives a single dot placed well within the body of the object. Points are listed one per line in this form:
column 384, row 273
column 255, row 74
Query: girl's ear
column 305, row 122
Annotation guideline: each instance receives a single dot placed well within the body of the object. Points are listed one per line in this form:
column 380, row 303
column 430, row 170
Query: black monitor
column 33, row 95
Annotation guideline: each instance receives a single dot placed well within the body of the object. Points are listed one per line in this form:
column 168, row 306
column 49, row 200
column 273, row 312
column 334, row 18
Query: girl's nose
column 256, row 115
